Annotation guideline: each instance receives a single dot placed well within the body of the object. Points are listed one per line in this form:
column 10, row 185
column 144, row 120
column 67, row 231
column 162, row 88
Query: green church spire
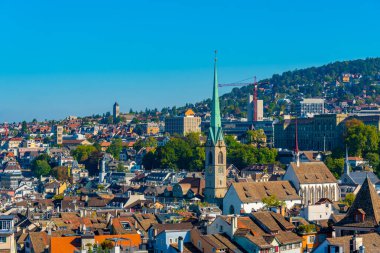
column 215, row 108
column 216, row 124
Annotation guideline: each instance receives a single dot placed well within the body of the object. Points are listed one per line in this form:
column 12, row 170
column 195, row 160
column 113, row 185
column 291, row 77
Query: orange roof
column 105, row 144
column 72, row 243
column 189, row 112
column 355, row 158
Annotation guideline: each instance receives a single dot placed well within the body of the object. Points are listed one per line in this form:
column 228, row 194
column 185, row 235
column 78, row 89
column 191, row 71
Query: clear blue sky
column 60, row 58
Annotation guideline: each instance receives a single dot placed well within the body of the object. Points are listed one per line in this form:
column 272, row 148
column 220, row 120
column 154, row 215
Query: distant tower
column 296, row 149
column 346, row 164
column 255, row 106
column 116, row 111
column 215, row 171
column 102, row 173
column 59, row 135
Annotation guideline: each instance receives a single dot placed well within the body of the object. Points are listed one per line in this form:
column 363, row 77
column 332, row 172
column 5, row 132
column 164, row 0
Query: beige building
column 312, row 181
column 251, row 109
column 7, row 238
column 183, row 125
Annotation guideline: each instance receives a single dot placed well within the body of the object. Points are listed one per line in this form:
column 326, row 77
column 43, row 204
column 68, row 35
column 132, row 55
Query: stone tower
column 116, row 111
column 215, row 170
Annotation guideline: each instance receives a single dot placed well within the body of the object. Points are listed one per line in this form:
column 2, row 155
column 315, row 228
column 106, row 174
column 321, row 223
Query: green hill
column 325, row 81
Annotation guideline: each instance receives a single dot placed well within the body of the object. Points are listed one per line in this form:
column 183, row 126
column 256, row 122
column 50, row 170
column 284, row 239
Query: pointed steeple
column 215, row 133
column 346, row 164
column 366, row 203
column 215, row 108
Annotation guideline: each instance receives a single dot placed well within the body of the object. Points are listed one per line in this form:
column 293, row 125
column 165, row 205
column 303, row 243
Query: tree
column 349, row 199
column 178, row 154
column 24, row 127
column 272, row 201
column 336, row 165
column 120, row 167
column 92, row 163
column 243, row 155
column 97, row 146
column 256, row 137
column 61, row 173
column 115, row 148
column 373, row 159
column 150, row 142
column 361, row 138
column 106, row 245
column 150, row 161
column 306, row 229
column 82, row 152
column 41, row 168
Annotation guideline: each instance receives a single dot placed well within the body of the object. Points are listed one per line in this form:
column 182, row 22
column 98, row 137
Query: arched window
column 210, row 158
column 220, row 158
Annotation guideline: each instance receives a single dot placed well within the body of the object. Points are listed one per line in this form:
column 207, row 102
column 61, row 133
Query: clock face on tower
column 209, row 170
column 220, row 169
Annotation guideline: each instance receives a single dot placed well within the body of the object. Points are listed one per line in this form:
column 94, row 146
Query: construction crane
column 255, row 85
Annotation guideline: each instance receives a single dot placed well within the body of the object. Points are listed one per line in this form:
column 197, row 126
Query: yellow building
column 183, row 125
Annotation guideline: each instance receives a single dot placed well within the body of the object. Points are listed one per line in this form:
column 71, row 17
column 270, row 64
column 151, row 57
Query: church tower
column 116, row 111
column 216, row 155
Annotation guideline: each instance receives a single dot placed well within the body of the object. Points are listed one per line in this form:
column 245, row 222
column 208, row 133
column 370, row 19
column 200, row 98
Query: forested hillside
column 336, row 82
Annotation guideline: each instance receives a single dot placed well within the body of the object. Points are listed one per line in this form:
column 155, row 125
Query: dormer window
column 359, row 215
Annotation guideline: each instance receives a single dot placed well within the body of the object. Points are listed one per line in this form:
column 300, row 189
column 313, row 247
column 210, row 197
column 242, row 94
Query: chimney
column 108, row 218
column 81, row 213
column 234, row 221
column 356, row 243
column 116, row 249
column 49, row 230
column 180, row 244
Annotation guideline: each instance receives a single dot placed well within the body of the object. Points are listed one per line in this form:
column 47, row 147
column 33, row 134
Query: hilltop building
column 251, row 109
column 308, row 107
column 216, row 160
column 182, row 125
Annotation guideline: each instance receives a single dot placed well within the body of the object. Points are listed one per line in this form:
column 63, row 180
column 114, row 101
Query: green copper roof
column 215, row 131
column 215, row 108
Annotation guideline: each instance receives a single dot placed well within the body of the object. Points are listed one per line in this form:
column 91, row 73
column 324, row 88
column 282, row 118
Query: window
column 221, row 228
column 170, row 240
column 5, row 225
column 3, row 239
column 220, row 158
column 311, row 239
